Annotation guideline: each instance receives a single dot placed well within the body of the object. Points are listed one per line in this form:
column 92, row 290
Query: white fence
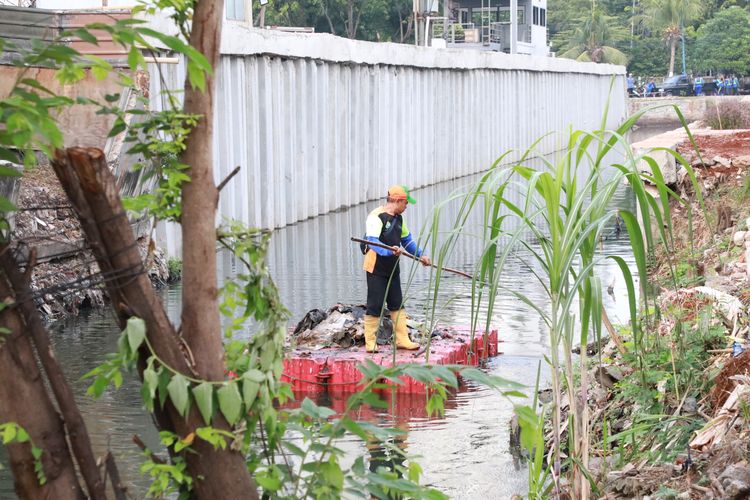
column 319, row 122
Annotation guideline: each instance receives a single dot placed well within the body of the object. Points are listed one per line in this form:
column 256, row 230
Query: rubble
column 65, row 276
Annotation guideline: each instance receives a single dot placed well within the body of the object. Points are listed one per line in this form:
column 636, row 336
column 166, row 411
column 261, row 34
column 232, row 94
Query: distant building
column 512, row 26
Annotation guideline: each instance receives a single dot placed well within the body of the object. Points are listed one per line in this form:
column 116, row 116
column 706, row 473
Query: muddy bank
column 65, row 277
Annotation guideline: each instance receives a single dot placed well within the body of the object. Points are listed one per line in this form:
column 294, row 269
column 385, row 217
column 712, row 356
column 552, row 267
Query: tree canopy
column 644, row 34
column 593, row 41
column 650, row 32
column 723, row 43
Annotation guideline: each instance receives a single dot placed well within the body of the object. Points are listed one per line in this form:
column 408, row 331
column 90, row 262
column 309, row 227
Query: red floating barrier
column 335, row 369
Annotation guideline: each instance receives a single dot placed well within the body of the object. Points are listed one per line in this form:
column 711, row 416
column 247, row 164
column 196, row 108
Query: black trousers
column 379, row 292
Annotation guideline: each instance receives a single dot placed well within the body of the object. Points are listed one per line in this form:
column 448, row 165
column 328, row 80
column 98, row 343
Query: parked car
column 684, row 85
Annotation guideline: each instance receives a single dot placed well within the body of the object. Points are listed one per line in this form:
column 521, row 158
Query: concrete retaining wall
column 693, row 108
column 319, row 122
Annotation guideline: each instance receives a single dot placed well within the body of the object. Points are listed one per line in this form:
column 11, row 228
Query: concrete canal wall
column 318, row 122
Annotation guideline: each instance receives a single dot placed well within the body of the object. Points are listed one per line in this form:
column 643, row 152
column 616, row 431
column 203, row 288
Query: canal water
column 465, row 454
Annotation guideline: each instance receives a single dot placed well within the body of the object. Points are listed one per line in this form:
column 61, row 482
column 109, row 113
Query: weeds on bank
column 655, row 413
column 552, row 224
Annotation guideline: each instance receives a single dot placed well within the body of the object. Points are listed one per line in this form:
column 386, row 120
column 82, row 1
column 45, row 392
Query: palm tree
column 671, row 16
column 593, row 41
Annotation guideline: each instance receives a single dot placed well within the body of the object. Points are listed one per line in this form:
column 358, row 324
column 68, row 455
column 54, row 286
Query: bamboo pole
column 407, row 254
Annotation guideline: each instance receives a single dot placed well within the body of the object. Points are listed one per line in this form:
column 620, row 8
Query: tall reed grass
column 566, row 206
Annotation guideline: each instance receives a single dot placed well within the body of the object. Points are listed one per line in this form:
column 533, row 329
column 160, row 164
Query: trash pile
column 342, row 326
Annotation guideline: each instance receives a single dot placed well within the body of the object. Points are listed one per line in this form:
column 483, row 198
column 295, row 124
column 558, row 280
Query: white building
column 512, row 26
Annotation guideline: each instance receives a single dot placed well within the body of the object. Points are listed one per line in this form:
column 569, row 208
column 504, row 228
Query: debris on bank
column 65, row 275
column 699, row 446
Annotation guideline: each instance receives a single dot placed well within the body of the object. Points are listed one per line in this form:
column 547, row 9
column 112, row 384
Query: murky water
column 465, row 454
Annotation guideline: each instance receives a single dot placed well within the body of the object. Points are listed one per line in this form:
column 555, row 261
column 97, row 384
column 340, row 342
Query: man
column 698, row 85
column 386, row 225
column 631, row 84
column 650, row 88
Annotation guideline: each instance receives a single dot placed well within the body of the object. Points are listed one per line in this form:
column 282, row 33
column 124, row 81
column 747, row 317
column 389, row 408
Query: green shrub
column 174, row 266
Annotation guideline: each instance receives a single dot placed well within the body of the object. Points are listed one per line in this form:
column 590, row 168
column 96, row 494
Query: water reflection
column 465, row 454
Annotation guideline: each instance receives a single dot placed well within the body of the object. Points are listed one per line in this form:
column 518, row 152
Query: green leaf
column 489, row 380
column 312, row 410
column 9, row 433
column 254, row 375
column 178, row 393
column 99, row 72
column 354, row 427
column 6, row 205
column 9, row 156
column 164, row 380
column 204, row 399
column 294, row 449
column 10, row 171
column 117, row 127
column 268, row 482
column 86, row 36
column 196, row 76
column 134, row 57
column 331, row 472
column 151, row 381
column 22, row 435
column 136, row 332
column 230, row 402
column 249, row 392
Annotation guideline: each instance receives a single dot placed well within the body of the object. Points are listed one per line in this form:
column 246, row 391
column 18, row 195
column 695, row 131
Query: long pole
column 407, row 254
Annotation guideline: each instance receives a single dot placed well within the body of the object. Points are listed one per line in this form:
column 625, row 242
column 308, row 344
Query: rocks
column 736, row 481
column 739, row 238
column 742, row 161
column 720, row 160
column 666, row 162
column 690, row 406
column 608, row 375
column 592, row 347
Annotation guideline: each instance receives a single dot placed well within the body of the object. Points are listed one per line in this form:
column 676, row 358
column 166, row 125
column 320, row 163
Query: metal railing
column 455, row 32
column 499, row 33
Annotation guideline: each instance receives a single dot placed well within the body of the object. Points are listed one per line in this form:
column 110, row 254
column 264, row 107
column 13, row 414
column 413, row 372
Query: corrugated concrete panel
column 313, row 134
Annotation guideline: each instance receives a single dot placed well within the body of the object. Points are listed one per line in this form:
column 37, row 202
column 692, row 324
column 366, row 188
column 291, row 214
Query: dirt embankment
column 703, row 292
column 65, row 275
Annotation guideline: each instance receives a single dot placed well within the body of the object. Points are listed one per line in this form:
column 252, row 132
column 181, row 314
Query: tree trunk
column 201, row 325
column 90, row 186
column 351, row 30
column 75, row 428
column 262, row 17
column 328, row 17
column 672, row 49
column 24, row 400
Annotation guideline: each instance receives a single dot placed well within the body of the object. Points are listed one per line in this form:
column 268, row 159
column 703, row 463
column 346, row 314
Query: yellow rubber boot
column 402, row 332
column 371, row 333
